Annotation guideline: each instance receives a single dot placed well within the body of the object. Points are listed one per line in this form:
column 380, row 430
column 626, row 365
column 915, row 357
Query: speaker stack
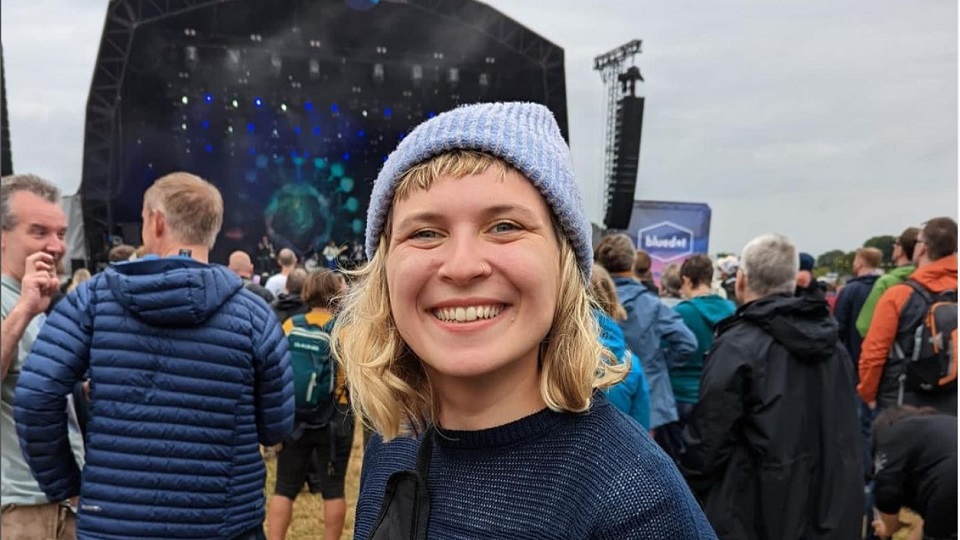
column 629, row 123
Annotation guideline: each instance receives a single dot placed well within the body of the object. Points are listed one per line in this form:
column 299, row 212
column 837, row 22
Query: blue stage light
column 334, row 108
column 208, row 98
column 387, row 112
column 361, row 134
column 208, row 148
column 257, row 101
column 362, row 5
column 205, row 124
column 431, row 114
column 251, row 127
column 308, row 106
column 296, row 130
column 316, row 130
column 346, row 156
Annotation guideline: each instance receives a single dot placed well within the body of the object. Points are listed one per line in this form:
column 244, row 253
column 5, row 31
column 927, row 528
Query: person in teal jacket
column 701, row 311
column 631, row 395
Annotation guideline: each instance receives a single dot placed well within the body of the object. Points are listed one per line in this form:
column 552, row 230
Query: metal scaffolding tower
column 610, row 65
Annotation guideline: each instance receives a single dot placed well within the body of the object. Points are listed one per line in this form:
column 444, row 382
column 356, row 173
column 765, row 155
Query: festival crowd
column 512, row 378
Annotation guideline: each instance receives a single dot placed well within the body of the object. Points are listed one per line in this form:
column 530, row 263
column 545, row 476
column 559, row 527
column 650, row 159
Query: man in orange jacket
column 935, row 256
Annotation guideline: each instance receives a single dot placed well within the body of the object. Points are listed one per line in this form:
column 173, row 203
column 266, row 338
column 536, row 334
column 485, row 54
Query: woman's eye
column 505, row 226
column 424, row 234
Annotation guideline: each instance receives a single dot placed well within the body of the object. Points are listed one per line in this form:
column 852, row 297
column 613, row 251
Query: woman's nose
column 465, row 260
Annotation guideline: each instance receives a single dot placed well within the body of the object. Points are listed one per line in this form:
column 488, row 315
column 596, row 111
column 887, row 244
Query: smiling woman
column 470, row 347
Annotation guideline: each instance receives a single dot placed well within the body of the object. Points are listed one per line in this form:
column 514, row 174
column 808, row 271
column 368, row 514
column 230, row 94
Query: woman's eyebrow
column 418, row 217
column 499, row 209
column 487, row 212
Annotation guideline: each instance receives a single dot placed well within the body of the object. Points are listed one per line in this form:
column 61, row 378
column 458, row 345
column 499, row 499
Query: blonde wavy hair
column 389, row 388
column 604, row 293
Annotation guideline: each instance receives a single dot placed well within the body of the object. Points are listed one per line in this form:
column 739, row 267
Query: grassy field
column 307, row 523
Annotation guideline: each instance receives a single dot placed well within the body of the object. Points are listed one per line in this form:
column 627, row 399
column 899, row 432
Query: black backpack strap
column 920, row 289
column 424, row 453
column 405, row 510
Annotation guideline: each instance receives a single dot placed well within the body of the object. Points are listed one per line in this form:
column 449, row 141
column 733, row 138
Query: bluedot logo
column 666, row 241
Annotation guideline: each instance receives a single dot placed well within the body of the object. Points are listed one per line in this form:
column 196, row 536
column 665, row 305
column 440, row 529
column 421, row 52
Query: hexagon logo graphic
column 666, row 241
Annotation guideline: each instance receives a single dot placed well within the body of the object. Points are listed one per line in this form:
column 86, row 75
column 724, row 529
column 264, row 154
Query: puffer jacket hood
column 802, row 325
column 171, row 291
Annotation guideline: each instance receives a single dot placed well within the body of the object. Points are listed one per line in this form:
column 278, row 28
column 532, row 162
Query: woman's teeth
column 467, row 314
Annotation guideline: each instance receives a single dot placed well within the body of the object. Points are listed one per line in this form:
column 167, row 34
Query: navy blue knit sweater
column 596, row 475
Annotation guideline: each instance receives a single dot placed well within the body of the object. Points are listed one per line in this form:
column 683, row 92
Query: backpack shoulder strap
column 299, row 321
column 920, row 289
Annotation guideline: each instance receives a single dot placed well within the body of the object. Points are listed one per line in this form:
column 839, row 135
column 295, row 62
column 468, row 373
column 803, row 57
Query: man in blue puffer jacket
column 188, row 373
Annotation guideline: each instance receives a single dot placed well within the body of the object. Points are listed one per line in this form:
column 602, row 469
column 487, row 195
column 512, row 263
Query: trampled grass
column 307, row 522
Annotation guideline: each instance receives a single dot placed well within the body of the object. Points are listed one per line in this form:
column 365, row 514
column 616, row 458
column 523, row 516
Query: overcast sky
column 826, row 121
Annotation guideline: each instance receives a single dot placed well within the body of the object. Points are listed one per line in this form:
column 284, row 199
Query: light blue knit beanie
column 525, row 135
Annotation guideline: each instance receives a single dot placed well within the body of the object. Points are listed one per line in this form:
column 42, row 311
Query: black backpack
column 927, row 341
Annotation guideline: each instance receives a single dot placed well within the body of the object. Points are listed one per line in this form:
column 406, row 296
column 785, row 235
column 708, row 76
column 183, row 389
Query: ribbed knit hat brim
column 525, row 135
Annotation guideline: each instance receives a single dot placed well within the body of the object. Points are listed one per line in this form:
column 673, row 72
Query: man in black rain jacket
column 773, row 450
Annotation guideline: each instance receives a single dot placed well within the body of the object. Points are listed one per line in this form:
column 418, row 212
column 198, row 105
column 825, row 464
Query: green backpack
column 314, row 371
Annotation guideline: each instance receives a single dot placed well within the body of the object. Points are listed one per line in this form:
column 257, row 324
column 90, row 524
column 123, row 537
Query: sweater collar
column 512, row 433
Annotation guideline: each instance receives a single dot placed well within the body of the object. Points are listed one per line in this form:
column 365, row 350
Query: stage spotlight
column 257, row 101
column 235, row 104
column 208, row 98
column 276, row 64
column 191, row 57
column 378, row 73
column 484, row 81
column 453, row 76
column 283, row 107
column 233, row 59
column 417, row 73
column 314, row 69
column 185, row 100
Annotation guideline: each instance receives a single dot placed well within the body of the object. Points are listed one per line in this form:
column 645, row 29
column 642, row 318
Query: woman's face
column 473, row 268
